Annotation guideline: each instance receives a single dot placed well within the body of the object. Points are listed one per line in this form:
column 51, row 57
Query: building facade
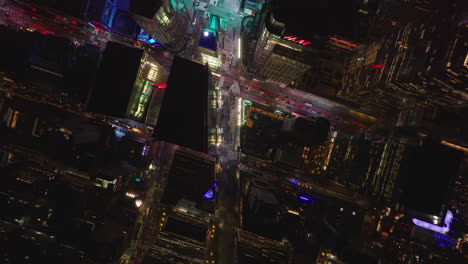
column 382, row 171
column 279, row 57
column 420, row 64
column 147, row 92
column 167, row 25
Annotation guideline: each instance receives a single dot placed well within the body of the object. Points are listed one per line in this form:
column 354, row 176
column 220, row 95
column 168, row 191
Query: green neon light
column 214, row 23
column 174, row 4
column 143, row 95
column 222, row 24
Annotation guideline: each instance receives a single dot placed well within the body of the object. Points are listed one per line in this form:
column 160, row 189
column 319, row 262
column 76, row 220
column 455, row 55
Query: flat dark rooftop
column 189, row 178
column 427, row 176
column 186, row 229
column 307, row 18
column 183, row 116
column 114, row 83
column 146, row 8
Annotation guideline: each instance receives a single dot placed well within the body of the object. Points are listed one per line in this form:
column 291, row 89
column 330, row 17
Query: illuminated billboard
column 439, row 229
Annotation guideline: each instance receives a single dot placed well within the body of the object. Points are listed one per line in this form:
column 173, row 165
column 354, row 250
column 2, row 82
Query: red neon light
column 160, row 85
column 303, row 42
column 291, row 38
column 296, row 40
column 73, row 22
column 344, row 42
column 378, row 66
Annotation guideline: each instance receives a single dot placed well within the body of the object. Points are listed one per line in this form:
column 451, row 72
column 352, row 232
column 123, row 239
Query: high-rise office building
column 115, row 14
column 313, row 57
column 426, row 179
column 284, row 65
column 51, row 62
column 418, row 65
column 183, row 118
column 381, row 175
column 182, row 229
column 253, row 248
column 160, row 20
column 182, row 238
column 327, row 71
column 260, row 136
column 448, row 124
column 315, row 159
column 191, row 178
column 110, row 14
column 146, row 98
column 395, row 14
column 279, row 55
column 348, row 158
column 115, row 81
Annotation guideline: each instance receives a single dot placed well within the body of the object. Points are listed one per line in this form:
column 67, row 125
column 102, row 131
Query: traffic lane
column 229, row 217
column 298, row 111
column 338, row 114
column 338, row 123
column 229, row 81
column 304, row 106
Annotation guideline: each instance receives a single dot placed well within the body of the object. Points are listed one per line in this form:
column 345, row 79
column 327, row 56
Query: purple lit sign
column 439, row 229
column 209, row 194
column 306, row 199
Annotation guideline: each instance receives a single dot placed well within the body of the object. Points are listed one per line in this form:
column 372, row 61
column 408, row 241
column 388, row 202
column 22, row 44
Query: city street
column 178, row 131
column 285, row 99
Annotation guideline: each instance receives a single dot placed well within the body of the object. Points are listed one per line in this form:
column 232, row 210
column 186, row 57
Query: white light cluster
column 239, row 111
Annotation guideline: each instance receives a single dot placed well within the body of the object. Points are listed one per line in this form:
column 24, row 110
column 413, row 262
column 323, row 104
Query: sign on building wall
column 297, row 40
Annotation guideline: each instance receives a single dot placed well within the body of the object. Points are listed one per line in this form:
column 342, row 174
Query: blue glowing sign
column 444, row 241
column 209, row 194
column 306, row 199
column 152, row 40
column 293, row 181
column 138, row 180
column 119, row 134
